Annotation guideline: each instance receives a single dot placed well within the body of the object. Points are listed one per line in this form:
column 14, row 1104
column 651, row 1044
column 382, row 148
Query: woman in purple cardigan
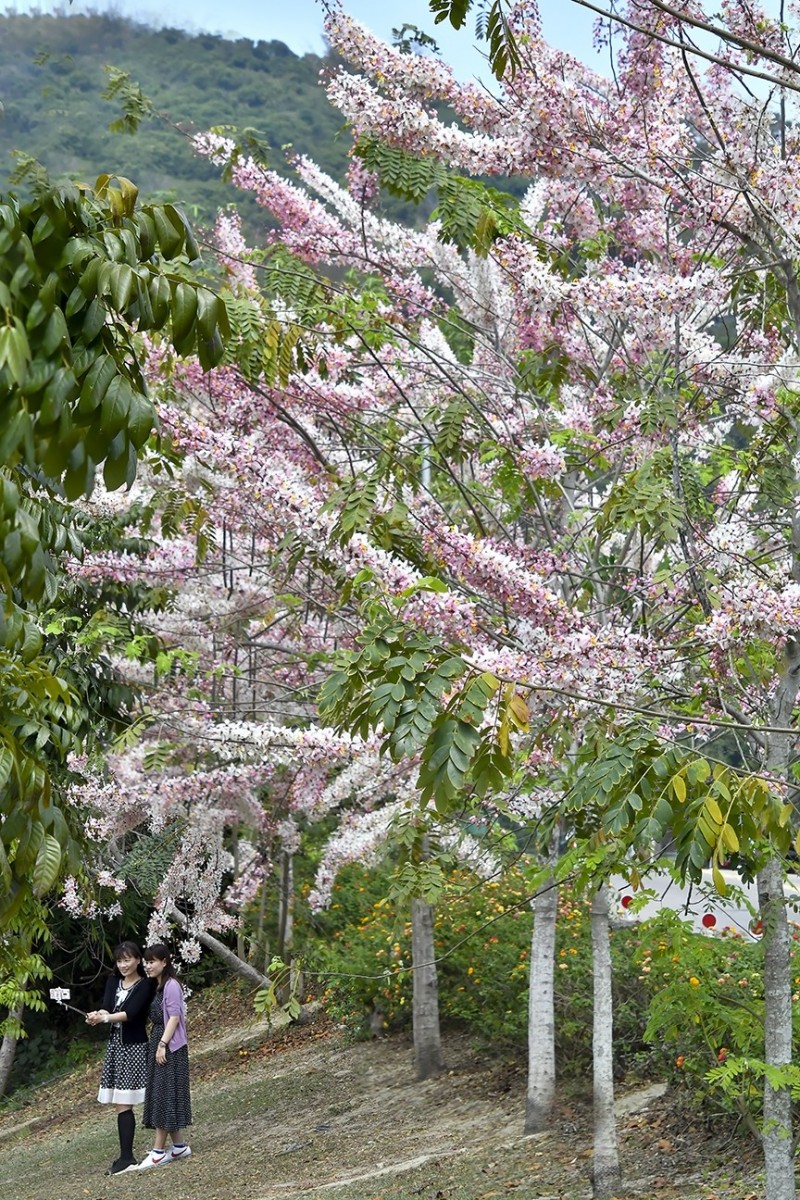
column 167, row 1103
column 126, row 1002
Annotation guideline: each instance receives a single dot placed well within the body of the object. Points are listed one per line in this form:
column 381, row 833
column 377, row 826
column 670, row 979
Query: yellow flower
column 694, row 981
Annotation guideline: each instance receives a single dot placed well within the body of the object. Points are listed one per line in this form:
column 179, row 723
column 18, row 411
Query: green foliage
column 79, row 271
column 38, row 721
column 471, row 213
column 645, row 499
column 454, row 11
column 148, row 859
column 409, row 39
column 629, row 792
column 295, row 283
column 82, row 272
column 491, row 26
column 22, row 969
column 482, row 939
column 687, row 1006
column 47, row 1052
column 422, row 698
column 281, row 992
column 706, row 1013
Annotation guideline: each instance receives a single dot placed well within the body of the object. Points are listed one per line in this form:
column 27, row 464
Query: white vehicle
column 701, row 903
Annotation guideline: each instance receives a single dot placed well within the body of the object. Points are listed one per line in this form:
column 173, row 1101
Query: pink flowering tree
column 535, row 463
column 655, row 274
column 587, row 495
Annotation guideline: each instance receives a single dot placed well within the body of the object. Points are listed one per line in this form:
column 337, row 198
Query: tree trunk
column 541, row 1021
column 286, row 924
column 239, row 967
column 606, row 1174
column 286, row 907
column 777, row 1134
column 240, row 946
column 427, row 1036
column 261, row 949
column 8, row 1050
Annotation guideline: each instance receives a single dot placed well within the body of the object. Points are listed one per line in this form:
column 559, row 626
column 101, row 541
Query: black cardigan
column 136, row 1008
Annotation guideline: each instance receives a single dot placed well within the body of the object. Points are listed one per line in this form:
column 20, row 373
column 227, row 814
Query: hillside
column 301, row 1113
column 51, row 84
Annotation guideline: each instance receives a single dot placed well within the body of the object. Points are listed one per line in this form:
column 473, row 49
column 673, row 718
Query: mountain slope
column 51, row 84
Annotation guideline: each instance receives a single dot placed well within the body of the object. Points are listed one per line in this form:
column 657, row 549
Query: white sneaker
column 178, row 1155
column 156, row 1158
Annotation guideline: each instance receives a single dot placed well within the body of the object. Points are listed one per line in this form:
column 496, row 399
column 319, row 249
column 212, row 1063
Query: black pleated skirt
column 167, row 1102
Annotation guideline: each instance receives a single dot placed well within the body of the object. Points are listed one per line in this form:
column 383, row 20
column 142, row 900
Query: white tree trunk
column 777, row 1134
column 286, row 924
column 8, row 1050
column 239, row 967
column 606, row 1174
column 286, row 906
column 541, row 1020
column 427, row 1034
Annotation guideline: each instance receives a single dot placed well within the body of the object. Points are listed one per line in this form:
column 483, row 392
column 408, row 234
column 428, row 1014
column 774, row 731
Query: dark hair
column 129, row 950
column 159, row 950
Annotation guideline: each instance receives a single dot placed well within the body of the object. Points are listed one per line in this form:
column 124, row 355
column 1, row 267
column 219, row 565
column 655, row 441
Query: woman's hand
column 99, row 1017
column 161, row 1054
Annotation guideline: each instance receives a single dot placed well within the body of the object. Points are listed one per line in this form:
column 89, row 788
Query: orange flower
column 680, row 1060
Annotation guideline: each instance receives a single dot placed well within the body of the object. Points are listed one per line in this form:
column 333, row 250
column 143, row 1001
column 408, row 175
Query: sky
column 298, row 23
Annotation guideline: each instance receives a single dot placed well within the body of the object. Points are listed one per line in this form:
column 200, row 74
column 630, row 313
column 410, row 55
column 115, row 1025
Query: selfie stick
column 61, row 995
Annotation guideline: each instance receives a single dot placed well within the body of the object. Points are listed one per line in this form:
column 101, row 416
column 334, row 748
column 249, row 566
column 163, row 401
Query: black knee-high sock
column 126, row 1126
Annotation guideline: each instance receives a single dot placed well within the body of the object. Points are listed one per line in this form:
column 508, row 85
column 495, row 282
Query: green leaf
column 96, row 383
column 169, row 232
column 121, row 469
column 141, row 419
column 14, row 349
column 184, row 313
column 115, row 406
column 47, row 866
column 454, row 11
column 28, row 845
column 122, row 286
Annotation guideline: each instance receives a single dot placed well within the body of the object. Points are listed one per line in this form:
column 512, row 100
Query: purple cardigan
column 173, row 1006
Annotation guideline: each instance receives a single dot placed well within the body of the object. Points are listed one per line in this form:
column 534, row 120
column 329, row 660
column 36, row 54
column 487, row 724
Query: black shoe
column 121, row 1164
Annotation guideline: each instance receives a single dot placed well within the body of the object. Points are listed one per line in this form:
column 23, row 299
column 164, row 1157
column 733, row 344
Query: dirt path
column 299, row 1113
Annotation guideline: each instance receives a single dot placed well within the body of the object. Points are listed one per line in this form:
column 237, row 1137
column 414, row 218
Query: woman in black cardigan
column 126, row 1003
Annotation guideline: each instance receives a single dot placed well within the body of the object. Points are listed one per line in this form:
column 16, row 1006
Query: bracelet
column 164, row 1044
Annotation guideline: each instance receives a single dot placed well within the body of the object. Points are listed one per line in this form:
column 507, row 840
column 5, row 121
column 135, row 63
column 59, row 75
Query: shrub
column 706, row 1012
column 482, row 940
